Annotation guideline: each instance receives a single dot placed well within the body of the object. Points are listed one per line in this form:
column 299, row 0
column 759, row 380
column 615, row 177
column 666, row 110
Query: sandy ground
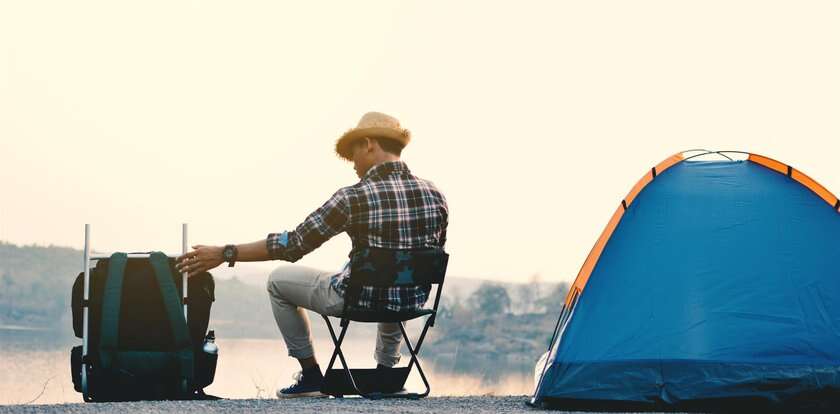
column 510, row 404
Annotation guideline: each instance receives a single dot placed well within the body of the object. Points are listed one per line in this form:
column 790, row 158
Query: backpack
column 140, row 347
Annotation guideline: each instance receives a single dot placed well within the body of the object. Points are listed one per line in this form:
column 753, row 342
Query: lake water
column 34, row 366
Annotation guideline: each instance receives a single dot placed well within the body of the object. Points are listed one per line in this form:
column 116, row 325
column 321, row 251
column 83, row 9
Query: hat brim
column 345, row 143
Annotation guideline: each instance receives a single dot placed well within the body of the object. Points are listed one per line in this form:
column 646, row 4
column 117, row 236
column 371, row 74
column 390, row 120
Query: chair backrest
column 383, row 268
column 378, row 267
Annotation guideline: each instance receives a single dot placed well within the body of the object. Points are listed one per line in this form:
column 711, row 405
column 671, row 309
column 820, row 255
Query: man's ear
column 369, row 143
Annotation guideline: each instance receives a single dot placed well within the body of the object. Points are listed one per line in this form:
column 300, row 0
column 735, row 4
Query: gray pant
column 292, row 288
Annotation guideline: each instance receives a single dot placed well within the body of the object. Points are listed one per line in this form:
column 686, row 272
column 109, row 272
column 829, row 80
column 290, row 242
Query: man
column 388, row 208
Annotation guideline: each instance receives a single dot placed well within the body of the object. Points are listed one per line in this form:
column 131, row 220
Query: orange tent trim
column 799, row 176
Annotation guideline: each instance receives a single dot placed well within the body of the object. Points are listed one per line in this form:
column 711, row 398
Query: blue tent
column 716, row 283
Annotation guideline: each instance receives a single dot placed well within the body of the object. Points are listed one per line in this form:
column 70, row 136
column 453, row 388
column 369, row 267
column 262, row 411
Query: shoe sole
column 316, row 394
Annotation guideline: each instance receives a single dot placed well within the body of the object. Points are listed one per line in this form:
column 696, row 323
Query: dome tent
column 715, row 284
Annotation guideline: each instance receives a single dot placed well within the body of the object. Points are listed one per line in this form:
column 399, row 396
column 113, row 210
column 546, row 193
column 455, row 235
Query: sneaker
column 304, row 386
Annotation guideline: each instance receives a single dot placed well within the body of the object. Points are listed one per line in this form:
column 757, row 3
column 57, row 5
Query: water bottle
column 211, row 355
column 210, row 346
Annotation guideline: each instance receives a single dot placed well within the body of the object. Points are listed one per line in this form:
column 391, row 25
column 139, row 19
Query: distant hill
column 35, row 283
column 525, row 294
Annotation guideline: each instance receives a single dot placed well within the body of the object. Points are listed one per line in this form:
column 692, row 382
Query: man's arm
column 324, row 223
column 328, row 220
column 204, row 258
column 252, row 252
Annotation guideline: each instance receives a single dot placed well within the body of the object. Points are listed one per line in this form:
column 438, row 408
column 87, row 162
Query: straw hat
column 374, row 125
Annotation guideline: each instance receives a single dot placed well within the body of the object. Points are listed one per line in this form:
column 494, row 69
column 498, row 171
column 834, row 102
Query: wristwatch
column 229, row 254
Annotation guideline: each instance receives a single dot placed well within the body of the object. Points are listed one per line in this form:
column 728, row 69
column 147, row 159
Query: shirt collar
column 386, row 168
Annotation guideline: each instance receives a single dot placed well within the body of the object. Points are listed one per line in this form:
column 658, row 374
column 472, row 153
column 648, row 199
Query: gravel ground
column 510, row 404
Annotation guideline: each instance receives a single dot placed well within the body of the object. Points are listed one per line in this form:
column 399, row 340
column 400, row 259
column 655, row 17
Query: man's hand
column 201, row 259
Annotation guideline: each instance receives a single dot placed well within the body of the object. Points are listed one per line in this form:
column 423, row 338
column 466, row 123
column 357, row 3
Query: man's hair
column 390, row 145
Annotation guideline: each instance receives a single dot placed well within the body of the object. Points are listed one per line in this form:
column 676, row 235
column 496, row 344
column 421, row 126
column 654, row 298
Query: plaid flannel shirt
column 389, row 208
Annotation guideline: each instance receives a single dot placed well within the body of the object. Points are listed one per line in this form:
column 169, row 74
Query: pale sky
column 534, row 118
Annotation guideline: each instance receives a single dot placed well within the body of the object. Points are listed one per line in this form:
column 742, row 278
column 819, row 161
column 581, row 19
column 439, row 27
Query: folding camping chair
column 382, row 268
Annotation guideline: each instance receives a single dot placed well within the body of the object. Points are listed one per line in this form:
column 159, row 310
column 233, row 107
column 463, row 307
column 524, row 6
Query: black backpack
column 140, row 347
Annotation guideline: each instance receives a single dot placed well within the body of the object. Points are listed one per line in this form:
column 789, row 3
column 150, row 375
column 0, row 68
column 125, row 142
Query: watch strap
column 232, row 260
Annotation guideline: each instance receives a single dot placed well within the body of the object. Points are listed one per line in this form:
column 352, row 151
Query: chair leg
column 413, row 351
column 337, row 352
column 419, row 341
column 336, row 341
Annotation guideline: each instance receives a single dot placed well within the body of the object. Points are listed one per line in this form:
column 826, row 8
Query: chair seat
column 363, row 315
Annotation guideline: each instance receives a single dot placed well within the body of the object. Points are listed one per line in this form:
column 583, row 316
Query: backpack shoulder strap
column 111, row 302
column 172, row 303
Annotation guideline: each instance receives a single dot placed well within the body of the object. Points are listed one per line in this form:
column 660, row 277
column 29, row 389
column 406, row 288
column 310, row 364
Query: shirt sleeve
column 328, row 220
